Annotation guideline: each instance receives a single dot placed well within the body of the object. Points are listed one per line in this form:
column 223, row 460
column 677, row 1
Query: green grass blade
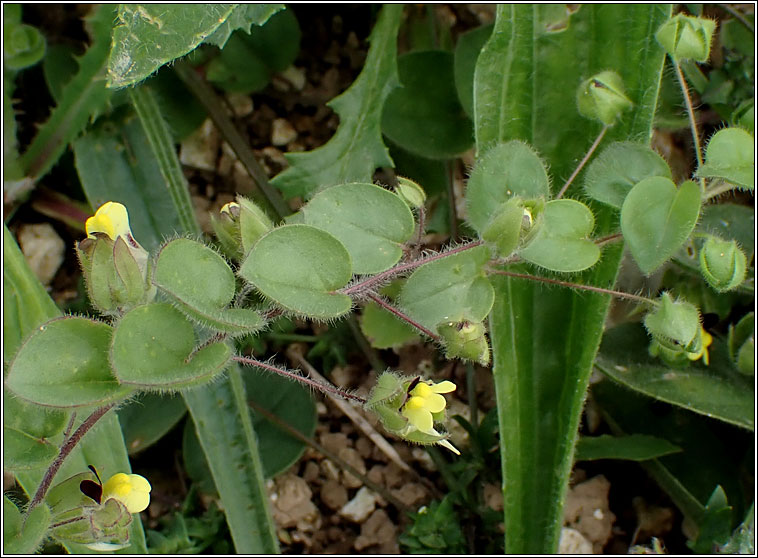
column 162, row 145
column 230, row 447
column 544, row 340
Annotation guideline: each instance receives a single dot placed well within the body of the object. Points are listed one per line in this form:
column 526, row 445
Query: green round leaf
column 506, row 170
column 384, row 330
column 65, row 364
column 424, row 115
column 203, row 284
column 299, row 267
column 452, row 289
column 26, row 429
column 154, row 347
column 656, row 219
column 730, row 155
column 560, row 243
column 24, row 535
column 371, row 222
column 618, row 168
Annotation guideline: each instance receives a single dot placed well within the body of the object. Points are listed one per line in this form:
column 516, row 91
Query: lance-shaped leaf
column 656, row 219
column 452, row 289
column 154, row 347
column 374, row 238
column 65, row 364
column 560, row 243
column 505, row 170
column 147, row 36
column 637, row 447
column 203, row 284
column 356, row 149
column 299, row 267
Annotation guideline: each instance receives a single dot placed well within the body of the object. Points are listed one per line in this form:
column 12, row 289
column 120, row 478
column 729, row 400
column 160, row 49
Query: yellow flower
column 703, row 352
column 112, row 219
column 424, row 400
column 131, row 490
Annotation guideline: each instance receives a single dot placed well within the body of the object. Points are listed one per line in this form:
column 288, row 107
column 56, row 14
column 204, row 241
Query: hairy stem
column 617, row 294
column 608, row 239
column 387, row 306
column 322, row 387
column 693, row 121
column 367, row 284
column 716, row 189
column 583, row 162
column 68, row 445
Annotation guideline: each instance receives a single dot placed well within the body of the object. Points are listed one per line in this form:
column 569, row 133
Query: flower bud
column 115, row 266
column 227, row 230
column 511, row 224
column 100, row 527
column 410, row 192
column 602, row 97
column 465, row 340
column 722, row 263
column 675, row 325
column 409, row 407
column 687, row 37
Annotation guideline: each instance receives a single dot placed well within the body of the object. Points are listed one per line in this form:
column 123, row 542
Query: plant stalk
column 693, row 121
column 387, row 306
column 583, row 162
column 68, row 445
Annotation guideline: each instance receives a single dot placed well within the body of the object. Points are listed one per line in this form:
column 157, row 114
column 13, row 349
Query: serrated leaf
column 620, row 166
column 507, row 169
column 730, row 155
column 83, row 97
column 637, row 447
column 203, row 284
column 374, row 238
column 452, row 289
column 65, row 364
column 656, row 219
column 299, row 267
column 560, row 243
column 356, row 149
column 147, row 36
column 154, row 347
column 242, row 17
column 424, row 115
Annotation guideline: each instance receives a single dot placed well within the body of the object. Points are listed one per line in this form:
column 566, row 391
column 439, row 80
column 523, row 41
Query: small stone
column 43, row 249
column 573, row 542
column 378, row 529
column 333, row 442
column 376, row 475
column 282, row 132
column 359, row 508
column 330, row 470
column 411, row 494
column 364, row 447
column 424, row 459
column 493, row 496
column 201, row 148
column 295, row 76
column 353, row 458
column 292, row 505
column 587, row 511
column 275, row 156
column 333, row 494
column 311, row 472
column 242, row 105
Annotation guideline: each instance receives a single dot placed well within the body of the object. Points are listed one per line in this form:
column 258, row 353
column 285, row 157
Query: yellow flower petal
column 422, row 389
column 131, row 490
column 444, row 387
column 420, row 418
column 112, row 219
column 435, row 403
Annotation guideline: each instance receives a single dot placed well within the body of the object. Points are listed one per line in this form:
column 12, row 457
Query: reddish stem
column 387, row 306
